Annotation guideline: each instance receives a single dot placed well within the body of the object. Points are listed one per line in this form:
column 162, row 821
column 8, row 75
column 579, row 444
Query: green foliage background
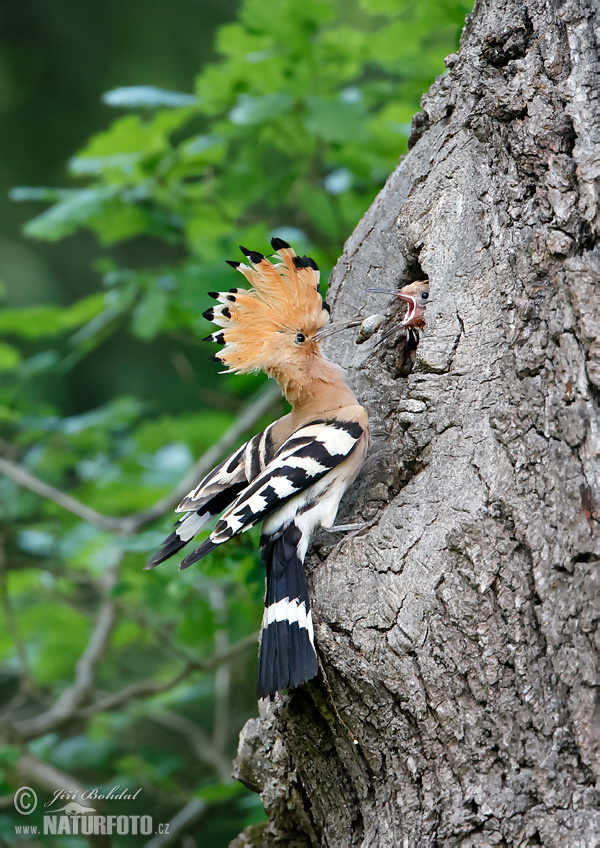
column 291, row 131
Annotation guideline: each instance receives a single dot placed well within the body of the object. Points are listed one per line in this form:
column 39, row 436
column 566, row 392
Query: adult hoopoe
column 291, row 476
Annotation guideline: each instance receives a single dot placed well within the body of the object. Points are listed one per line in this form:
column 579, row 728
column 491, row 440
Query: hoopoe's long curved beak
column 335, row 328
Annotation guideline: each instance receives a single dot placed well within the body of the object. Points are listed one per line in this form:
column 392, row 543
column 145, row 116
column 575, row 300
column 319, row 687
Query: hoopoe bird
column 291, row 476
column 400, row 360
column 416, row 295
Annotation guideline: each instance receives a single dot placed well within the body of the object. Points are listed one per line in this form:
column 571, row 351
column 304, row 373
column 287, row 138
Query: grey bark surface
column 458, row 635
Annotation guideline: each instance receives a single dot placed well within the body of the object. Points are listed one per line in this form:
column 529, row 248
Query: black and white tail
column 287, row 655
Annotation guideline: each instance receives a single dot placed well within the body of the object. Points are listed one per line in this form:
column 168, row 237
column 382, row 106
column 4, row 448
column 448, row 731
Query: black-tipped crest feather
column 305, row 262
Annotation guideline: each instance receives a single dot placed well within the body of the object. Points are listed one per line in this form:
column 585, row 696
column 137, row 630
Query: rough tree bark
column 457, row 634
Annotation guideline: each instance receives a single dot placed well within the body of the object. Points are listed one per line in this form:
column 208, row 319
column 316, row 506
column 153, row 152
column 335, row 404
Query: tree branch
column 47, row 777
column 66, row 705
column 142, row 689
column 189, row 815
column 128, row 525
column 204, row 750
column 23, row 478
column 147, row 688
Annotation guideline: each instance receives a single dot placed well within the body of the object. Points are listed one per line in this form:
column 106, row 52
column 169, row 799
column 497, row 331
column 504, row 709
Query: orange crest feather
column 284, row 298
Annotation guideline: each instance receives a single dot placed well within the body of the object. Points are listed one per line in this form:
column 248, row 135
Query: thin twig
column 142, row 689
column 189, row 815
column 21, row 476
column 163, row 636
column 66, row 705
column 147, row 688
column 226, row 655
column 204, row 750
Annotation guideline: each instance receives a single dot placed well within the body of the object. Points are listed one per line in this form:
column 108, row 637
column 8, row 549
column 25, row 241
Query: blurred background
column 141, row 144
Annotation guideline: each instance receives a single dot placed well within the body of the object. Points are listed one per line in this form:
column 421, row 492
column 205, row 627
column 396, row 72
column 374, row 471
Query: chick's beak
column 408, row 298
column 414, row 309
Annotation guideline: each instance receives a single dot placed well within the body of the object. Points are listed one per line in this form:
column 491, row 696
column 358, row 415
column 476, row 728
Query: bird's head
column 416, row 295
column 276, row 325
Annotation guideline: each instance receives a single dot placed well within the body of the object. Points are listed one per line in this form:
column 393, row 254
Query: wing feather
column 240, row 467
column 306, row 457
column 216, row 492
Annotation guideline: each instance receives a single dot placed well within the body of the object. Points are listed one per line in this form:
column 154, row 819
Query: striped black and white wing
column 310, row 453
column 216, row 492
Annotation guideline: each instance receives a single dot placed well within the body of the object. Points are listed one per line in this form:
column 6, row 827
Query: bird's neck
column 315, row 389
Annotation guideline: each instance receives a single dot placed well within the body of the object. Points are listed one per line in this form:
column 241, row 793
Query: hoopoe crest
column 291, row 476
column 273, row 326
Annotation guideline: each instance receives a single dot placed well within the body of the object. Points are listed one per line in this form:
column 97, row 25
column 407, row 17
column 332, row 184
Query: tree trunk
column 457, row 634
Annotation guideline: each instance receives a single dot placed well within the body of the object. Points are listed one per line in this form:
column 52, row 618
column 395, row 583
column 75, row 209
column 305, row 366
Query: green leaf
column 149, row 313
column 50, row 195
column 197, row 430
column 133, row 135
column 31, row 321
column 236, row 41
column 283, row 17
column 146, row 97
column 35, row 322
column 216, row 793
column 9, row 357
column 383, row 6
column 8, row 414
column 254, row 110
column 81, row 166
column 82, row 310
column 119, row 221
column 76, row 208
column 336, row 120
column 199, row 145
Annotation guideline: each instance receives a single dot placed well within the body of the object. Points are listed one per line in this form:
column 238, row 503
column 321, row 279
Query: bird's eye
column 300, row 338
column 424, row 295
